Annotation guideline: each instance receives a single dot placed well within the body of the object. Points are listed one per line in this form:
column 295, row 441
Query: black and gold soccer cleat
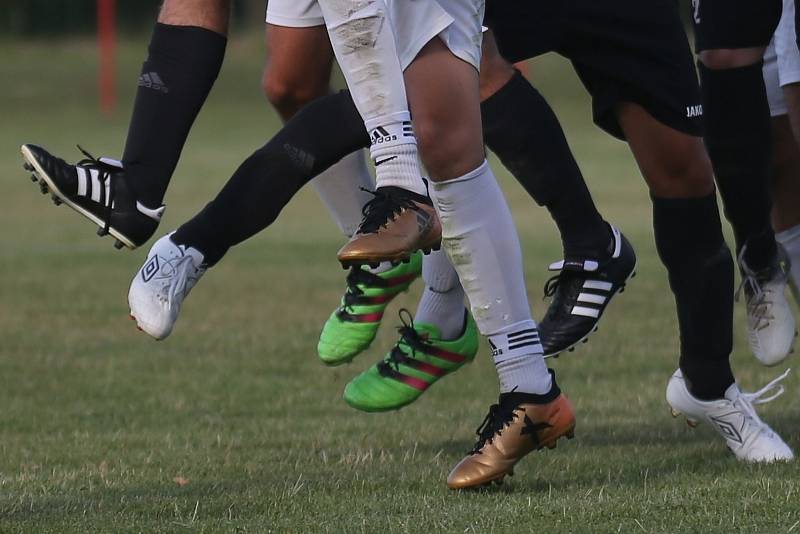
column 518, row 424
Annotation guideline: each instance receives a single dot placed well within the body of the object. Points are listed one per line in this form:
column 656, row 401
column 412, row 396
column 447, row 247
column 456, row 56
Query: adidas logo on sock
column 151, row 80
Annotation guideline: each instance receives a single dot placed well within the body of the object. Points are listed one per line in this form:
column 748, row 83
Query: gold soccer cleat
column 396, row 224
column 518, row 424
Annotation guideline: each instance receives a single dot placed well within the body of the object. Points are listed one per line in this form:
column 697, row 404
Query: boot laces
column 383, row 208
column 566, row 282
column 760, row 289
column 746, row 401
column 498, row 418
column 356, row 278
column 408, row 337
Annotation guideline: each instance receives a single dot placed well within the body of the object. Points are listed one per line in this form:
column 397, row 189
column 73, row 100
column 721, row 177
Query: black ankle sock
column 181, row 68
column 690, row 244
column 318, row 136
column 738, row 137
column 521, row 129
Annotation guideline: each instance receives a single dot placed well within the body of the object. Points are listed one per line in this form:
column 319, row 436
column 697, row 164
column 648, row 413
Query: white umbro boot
column 770, row 323
column 734, row 417
column 158, row 289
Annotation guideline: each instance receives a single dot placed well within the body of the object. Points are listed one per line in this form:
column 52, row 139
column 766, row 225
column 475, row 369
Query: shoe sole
column 585, row 339
column 48, row 186
column 498, row 479
column 370, row 409
column 394, row 259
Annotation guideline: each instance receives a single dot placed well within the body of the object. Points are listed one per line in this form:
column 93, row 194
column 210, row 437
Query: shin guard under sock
column 315, row 138
column 181, row 68
column 738, row 138
column 521, row 129
column 691, row 246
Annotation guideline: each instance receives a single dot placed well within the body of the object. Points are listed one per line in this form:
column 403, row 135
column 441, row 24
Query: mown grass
column 233, row 424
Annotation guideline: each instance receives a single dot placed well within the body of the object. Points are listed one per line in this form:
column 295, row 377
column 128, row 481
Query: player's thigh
column 443, row 96
column 298, row 68
column 674, row 164
column 734, row 33
column 212, row 15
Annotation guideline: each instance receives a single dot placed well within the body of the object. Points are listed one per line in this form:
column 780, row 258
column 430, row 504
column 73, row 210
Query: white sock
column 339, row 189
column 790, row 239
column 442, row 302
column 394, row 152
column 481, row 241
column 363, row 40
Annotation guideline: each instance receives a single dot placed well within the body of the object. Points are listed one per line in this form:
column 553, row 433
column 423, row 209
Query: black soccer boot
column 98, row 190
column 581, row 291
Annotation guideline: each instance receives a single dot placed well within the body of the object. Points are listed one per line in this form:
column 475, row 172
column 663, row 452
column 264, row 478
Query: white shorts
column 782, row 61
column 415, row 22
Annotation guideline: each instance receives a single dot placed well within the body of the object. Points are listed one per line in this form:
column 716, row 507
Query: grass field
column 233, row 425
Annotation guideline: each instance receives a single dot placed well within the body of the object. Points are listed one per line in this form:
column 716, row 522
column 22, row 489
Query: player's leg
column 523, row 131
column 644, row 90
column 687, row 228
column 400, row 219
column 730, row 40
column 298, row 71
column 185, row 55
column 326, row 130
column 782, row 79
column 480, row 238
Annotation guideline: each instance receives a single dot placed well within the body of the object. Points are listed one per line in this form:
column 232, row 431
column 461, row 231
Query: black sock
column 181, row 68
column 738, row 138
column 521, row 128
column 690, row 244
column 318, row 136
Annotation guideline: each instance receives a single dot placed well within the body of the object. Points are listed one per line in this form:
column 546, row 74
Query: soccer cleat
column 396, row 223
column 98, row 190
column 161, row 285
column 770, row 323
column 352, row 326
column 518, row 424
column 416, row 362
column 734, row 418
column 581, row 291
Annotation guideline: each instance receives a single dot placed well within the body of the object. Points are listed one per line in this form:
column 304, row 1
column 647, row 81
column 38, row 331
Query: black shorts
column 623, row 51
column 734, row 23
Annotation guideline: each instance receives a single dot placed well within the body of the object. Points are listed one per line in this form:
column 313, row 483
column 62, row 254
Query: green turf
column 97, row 422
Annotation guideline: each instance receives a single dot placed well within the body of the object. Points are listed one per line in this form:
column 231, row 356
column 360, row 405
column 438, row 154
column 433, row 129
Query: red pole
column 106, row 42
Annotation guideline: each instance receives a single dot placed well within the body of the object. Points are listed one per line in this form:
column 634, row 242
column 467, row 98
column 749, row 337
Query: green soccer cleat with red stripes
column 352, row 326
column 418, row 360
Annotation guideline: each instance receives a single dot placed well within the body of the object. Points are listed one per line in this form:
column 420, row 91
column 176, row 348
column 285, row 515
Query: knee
column 287, row 95
column 444, row 149
column 731, row 58
column 687, row 176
